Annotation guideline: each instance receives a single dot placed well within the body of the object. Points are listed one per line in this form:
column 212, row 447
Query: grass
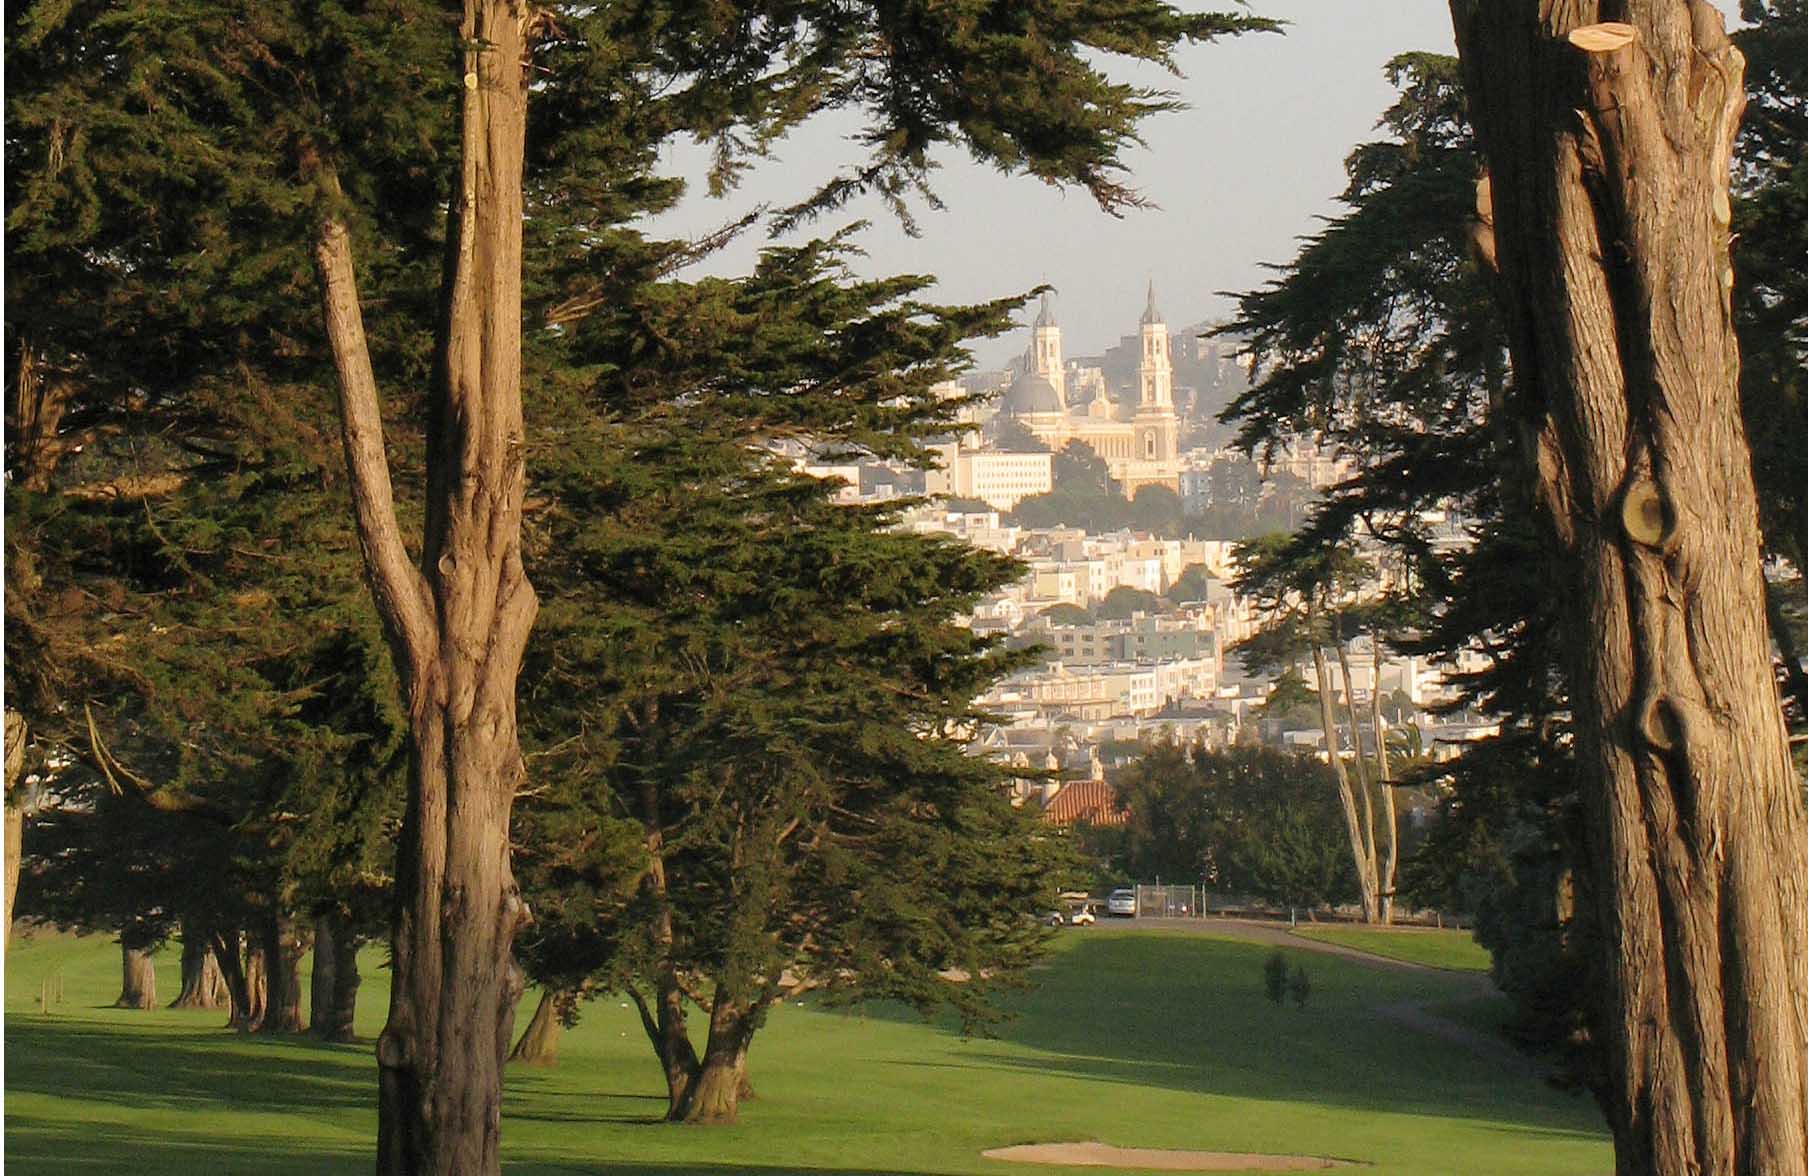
column 1455, row 951
column 1134, row 1039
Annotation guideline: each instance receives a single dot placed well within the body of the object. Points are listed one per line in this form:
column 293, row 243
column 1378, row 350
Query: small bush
column 1274, row 976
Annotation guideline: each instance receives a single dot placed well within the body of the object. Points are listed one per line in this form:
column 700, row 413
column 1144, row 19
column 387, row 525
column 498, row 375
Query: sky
column 1237, row 179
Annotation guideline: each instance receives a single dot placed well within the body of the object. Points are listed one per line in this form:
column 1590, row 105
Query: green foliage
column 1193, row 583
column 1245, row 820
column 1123, row 602
column 770, row 687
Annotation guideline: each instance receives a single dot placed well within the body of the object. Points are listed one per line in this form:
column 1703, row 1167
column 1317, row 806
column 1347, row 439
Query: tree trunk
column 203, row 984
column 539, row 1044
column 714, row 1096
column 665, row 1024
column 138, row 983
column 15, row 814
column 256, row 1005
column 1608, row 156
column 457, row 625
column 333, row 997
column 320, row 978
column 1390, row 872
column 1362, row 778
column 1365, row 880
column 237, row 974
column 283, row 950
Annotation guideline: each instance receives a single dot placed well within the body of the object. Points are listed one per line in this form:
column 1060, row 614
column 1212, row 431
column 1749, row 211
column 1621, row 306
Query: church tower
column 1157, row 428
column 1045, row 350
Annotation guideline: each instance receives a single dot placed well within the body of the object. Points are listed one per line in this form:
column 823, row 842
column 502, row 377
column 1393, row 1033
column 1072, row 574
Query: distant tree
column 1123, row 602
column 1192, row 584
column 1157, row 510
column 1081, row 472
column 1013, row 436
column 1247, row 820
column 1305, row 592
column 1065, row 614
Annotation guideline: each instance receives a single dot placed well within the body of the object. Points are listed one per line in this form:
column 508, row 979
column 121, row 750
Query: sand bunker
column 1103, row 1155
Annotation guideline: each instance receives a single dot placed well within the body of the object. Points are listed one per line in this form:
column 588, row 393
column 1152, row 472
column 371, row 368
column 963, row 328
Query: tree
column 1607, row 210
column 1013, row 436
column 1307, row 594
column 1123, row 602
column 1246, row 820
column 333, row 116
column 765, row 686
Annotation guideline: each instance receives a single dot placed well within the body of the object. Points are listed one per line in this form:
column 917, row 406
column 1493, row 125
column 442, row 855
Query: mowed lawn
column 1456, row 951
column 1133, row 1039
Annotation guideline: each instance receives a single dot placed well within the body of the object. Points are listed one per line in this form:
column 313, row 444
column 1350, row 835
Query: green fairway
column 1455, row 950
column 1133, row 1039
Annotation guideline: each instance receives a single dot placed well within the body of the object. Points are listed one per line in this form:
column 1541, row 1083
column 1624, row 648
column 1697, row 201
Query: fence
column 1167, row 902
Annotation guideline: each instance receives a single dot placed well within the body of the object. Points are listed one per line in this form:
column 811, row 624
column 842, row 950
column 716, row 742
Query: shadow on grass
column 172, row 1069
column 1189, row 1013
column 109, row 1148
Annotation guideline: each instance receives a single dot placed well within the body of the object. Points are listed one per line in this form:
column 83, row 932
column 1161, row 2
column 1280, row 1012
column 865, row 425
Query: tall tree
column 766, row 685
column 1306, row 592
column 1606, row 206
column 337, row 117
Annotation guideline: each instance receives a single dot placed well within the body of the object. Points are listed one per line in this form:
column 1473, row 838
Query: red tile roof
column 1091, row 801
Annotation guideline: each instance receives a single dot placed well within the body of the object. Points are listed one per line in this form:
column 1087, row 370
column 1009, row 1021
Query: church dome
column 1030, row 393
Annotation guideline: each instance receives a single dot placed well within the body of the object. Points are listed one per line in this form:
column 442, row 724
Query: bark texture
column 283, row 949
column 714, row 1095
column 15, row 815
column 333, row 991
column 664, row 1019
column 203, row 984
column 539, row 1044
column 1609, row 176
column 457, row 625
column 138, row 974
column 1365, row 874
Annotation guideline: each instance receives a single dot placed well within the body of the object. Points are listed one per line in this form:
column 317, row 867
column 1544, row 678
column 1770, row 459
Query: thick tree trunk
column 539, row 1044
column 283, row 950
column 14, row 753
column 458, row 625
column 138, row 974
column 333, row 994
column 203, row 984
column 714, row 1096
column 1365, row 879
column 320, row 977
column 256, row 1003
column 1608, row 150
column 225, row 946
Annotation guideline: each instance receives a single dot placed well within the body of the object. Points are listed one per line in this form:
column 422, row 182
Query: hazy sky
column 1238, row 177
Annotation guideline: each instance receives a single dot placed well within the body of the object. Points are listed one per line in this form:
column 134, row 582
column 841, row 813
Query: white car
column 1121, row 902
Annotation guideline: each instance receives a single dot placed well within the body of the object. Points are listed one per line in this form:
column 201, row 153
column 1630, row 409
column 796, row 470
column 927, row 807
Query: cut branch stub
column 1644, row 515
column 1607, row 37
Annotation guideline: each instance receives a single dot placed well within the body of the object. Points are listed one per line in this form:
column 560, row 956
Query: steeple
column 1045, row 316
column 1151, row 316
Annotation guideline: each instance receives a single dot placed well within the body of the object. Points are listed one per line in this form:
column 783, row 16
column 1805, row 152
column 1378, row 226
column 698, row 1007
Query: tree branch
column 402, row 596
